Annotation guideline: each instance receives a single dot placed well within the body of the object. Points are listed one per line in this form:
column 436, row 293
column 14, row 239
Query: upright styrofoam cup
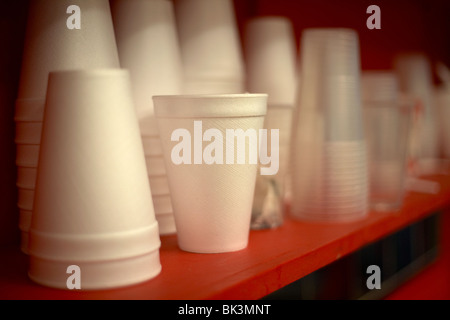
column 92, row 206
column 212, row 202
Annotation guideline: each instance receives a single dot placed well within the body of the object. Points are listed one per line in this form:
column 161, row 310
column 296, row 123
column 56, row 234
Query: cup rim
column 90, row 72
column 169, row 106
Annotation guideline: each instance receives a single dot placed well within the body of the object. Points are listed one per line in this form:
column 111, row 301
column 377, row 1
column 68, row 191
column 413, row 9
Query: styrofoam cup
column 25, row 199
column 50, row 45
column 28, row 133
column 166, row 223
column 159, row 185
column 209, row 40
column 214, row 216
column 27, row 155
column 31, row 110
column 93, row 205
column 212, row 86
column 26, row 177
column 152, row 146
column 147, row 42
column 162, row 204
column 155, row 166
column 271, row 58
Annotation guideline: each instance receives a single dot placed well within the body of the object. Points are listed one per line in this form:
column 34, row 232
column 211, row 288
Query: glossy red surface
column 273, row 259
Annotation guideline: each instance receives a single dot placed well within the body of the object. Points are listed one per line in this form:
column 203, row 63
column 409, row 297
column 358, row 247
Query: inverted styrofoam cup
column 159, row 185
column 155, row 165
column 271, row 58
column 51, row 45
column 212, row 203
column 147, row 42
column 209, row 40
column 166, row 223
column 28, row 132
column 152, row 146
column 92, row 206
column 29, row 110
column 24, row 227
column 27, row 155
column 162, row 204
column 212, row 86
column 26, row 177
column 25, row 199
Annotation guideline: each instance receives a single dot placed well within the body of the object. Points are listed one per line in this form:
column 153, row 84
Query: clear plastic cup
column 388, row 123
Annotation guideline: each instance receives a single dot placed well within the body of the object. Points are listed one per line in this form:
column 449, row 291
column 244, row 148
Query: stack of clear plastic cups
column 387, row 122
column 271, row 68
column 210, row 47
column 50, row 45
column 329, row 158
column 148, row 46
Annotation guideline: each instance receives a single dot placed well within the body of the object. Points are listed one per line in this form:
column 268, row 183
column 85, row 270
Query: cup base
column 340, row 218
column 233, row 247
column 96, row 275
column 386, row 206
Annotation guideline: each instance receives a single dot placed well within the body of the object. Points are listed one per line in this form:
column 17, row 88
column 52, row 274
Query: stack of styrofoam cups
column 387, row 123
column 415, row 80
column 211, row 183
column 93, row 207
column 50, row 45
column 271, row 68
column 210, row 46
column 329, row 160
column 148, row 46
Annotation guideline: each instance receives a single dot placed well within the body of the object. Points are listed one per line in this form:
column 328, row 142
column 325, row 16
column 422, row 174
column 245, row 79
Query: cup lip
column 330, row 31
column 269, row 19
column 169, row 106
column 90, row 72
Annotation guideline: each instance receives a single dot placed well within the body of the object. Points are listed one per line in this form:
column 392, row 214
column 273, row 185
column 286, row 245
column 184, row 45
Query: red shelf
column 273, row 258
